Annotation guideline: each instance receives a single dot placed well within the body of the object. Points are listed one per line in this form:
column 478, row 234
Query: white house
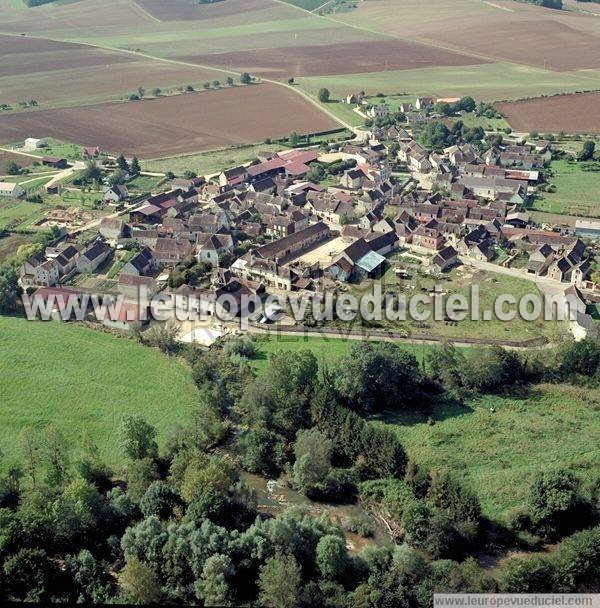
column 12, row 190
column 31, row 143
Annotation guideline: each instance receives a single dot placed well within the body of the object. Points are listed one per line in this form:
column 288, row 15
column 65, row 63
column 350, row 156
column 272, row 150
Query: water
column 274, row 496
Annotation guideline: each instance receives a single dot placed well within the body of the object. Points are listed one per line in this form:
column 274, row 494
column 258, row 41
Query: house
column 428, row 237
column 27, row 269
column 112, row 228
column 422, row 103
column 47, row 273
column 294, row 243
column 378, row 110
column 67, row 259
column 233, row 177
column 55, row 162
column 31, row 143
column 210, row 248
column 148, row 214
column 115, row 194
column 91, row 153
column 12, row 190
column 140, row 264
column 136, row 287
column 92, row 257
column 445, row 258
column 354, row 98
column 343, row 267
column 558, row 269
column 540, row 260
column 352, row 179
column 171, row 251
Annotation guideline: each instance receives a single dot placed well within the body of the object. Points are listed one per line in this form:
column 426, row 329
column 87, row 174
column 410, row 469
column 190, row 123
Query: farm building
column 55, row 162
column 588, row 229
column 12, row 190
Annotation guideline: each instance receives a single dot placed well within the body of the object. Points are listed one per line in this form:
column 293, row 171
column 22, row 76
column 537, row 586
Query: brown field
column 22, row 161
column 343, row 58
column 570, row 113
column 73, row 16
column 176, row 125
column 545, row 43
column 22, row 55
column 183, row 10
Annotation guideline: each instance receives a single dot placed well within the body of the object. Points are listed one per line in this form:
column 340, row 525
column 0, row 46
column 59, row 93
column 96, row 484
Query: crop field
column 183, row 10
column 341, row 58
column 490, row 82
column 577, row 191
column 80, row 379
column 498, row 451
column 569, row 113
column 179, row 124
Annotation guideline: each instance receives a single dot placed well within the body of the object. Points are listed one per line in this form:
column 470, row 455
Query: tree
column 189, row 88
column 139, row 475
column 324, row 95
column 122, row 163
column 135, row 168
column 279, row 582
column 291, row 80
column 553, row 500
column 230, row 82
column 156, row 92
column 331, row 556
column 56, row 455
column 214, row 586
column 116, row 177
column 294, row 139
column 160, row 499
column 527, row 575
column 138, row 438
column 28, row 574
column 377, row 375
column 9, row 289
column 581, row 357
column 467, row 104
column 92, row 172
column 216, row 84
column 139, row 583
column 245, row 78
column 188, row 174
column 141, row 92
column 12, row 168
column 313, row 459
column 91, row 581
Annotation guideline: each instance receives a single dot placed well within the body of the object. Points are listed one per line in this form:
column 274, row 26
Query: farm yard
column 179, row 124
column 102, row 379
column 569, row 113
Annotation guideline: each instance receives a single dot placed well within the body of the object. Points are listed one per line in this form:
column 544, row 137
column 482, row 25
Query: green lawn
column 326, row 350
column 498, row 453
column 144, row 183
column 82, row 379
column 577, row 191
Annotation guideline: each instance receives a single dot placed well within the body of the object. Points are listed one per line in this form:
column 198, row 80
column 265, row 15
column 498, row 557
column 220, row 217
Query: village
column 307, row 220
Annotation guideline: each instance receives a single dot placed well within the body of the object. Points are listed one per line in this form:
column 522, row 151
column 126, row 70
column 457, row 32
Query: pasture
column 175, row 125
column 84, row 380
column 577, row 191
column 498, row 452
column 568, row 113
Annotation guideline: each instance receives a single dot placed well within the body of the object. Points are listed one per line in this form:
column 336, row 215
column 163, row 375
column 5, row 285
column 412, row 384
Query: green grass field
column 577, row 191
column 498, row 453
column 326, row 350
column 491, row 82
column 81, row 379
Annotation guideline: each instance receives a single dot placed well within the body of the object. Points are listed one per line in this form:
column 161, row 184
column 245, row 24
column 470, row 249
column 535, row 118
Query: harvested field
column 176, row 125
column 22, row 55
column 22, row 161
column 570, row 113
column 318, row 60
column 183, row 10
column 544, row 43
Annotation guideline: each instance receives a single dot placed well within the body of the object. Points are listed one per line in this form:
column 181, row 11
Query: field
column 490, row 82
column 498, row 452
column 577, row 191
column 340, row 58
column 81, row 379
column 178, row 124
column 326, row 350
column 568, row 113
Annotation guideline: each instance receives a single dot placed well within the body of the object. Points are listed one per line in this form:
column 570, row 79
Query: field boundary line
column 141, row 9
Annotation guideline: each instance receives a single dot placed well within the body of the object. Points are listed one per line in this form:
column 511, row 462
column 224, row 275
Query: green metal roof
column 370, row 261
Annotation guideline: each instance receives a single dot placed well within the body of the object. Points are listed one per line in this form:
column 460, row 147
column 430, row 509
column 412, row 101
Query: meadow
column 82, row 379
column 577, row 191
column 498, row 443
